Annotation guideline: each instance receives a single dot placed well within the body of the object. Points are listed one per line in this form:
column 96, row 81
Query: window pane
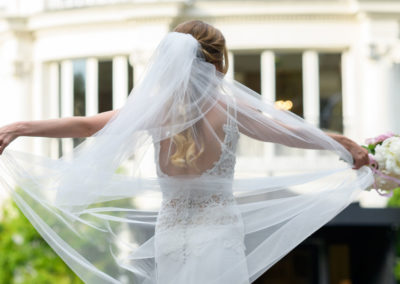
column 331, row 116
column 289, row 80
column 79, row 67
column 79, row 87
column 248, row 72
column 289, row 88
column 105, row 85
column 130, row 78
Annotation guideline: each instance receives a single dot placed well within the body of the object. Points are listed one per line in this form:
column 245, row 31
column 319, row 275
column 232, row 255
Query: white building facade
column 336, row 61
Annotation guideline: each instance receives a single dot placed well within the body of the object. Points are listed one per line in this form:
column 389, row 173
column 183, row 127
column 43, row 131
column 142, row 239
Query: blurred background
column 336, row 63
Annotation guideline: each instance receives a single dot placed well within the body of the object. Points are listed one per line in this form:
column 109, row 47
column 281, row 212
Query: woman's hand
column 8, row 133
column 360, row 154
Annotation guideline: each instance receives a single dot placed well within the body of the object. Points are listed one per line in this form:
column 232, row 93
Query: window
column 105, row 85
column 330, row 89
column 130, row 78
column 248, row 72
column 289, row 87
column 289, row 80
column 79, row 69
column 79, row 87
column 75, row 82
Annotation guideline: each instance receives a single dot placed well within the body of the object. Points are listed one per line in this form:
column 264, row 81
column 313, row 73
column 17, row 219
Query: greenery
column 394, row 201
column 25, row 257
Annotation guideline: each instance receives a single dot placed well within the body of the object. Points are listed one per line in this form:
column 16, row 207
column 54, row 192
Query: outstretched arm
column 258, row 127
column 73, row 127
column 360, row 154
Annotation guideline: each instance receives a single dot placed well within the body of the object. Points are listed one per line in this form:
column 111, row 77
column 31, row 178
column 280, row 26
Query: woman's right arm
column 72, row 127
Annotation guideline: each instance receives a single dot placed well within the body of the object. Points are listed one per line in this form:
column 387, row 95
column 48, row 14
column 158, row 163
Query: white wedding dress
column 199, row 231
column 220, row 225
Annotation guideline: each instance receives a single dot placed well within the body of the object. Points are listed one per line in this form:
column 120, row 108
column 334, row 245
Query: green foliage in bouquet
column 394, row 200
column 24, row 256
column 371, row 148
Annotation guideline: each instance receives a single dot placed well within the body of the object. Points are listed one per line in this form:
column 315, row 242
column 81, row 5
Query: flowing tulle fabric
column 210, row 223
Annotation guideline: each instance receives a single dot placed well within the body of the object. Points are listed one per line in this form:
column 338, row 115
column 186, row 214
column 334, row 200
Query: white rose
column 388, row 155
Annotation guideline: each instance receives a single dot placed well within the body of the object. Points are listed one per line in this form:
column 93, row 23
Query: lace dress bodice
column 199, row 200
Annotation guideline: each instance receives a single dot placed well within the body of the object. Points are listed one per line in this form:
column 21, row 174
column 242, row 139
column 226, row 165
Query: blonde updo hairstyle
column 214, row 49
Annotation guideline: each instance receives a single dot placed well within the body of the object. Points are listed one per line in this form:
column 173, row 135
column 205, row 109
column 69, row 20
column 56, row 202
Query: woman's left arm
column 256, row 125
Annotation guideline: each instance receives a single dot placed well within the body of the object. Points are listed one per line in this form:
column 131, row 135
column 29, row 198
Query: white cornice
column 167, row 12
column 102, row 15
column 156, row 11
column 386, row 7
column 217, row 7
column 277, row 8
column 163, row 11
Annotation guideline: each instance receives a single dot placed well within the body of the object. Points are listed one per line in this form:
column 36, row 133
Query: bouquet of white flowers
column 384, row 154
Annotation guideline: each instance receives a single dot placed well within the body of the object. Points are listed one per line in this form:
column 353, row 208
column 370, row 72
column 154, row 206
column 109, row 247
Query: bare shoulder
column 217, row 115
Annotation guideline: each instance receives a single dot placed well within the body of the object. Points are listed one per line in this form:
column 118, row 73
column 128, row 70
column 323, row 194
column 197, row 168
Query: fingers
column 360, row 158
column 3, row 145
column 7, row 135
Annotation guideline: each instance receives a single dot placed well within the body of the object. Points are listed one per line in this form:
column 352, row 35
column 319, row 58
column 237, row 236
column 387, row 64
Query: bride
column 210, row 225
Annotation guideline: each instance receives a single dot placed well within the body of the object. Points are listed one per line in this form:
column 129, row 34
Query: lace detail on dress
column 192, row 220
column 225, row 166
column 196, row 209
column 189, row 224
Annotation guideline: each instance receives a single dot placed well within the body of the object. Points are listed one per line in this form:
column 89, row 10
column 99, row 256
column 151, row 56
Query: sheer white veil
column 92, row 215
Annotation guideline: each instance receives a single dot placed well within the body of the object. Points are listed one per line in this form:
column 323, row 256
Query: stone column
column 311, row 87
column 139, row 59
column 311, row 107
column 92, row 97
column 38, row 104
column 394, row 97
column 375, row 102
column 268, row 90
column 230, row 74
column 268, row 76
column 54, row 103
column 15, row 77
column 349, row 95
column 67, row 99
column 120, row 81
